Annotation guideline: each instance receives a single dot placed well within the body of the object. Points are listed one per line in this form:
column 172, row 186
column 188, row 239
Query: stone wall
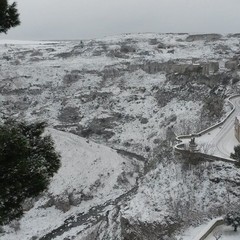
column 209, row 229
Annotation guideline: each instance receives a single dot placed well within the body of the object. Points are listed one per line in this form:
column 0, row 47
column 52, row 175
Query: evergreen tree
column 233, row 219
column 236, row 154
column 213, row 105
column 9, row 16
column 27, row 162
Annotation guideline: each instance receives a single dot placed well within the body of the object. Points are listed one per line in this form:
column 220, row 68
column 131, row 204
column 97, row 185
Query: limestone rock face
column 71, row 78
column 75, row 199
column 205, row 37
column 69, row 114
column 144, row 231
column 181, row 68
column 232, row 64
column 127, row 49
column 234, row 35
column 62, row 203
column 210, row 68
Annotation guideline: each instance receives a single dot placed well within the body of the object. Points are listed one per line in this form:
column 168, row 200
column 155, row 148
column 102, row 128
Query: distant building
column 237, row 128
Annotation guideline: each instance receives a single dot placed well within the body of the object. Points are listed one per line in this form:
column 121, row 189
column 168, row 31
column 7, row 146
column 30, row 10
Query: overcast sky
column 84, row 19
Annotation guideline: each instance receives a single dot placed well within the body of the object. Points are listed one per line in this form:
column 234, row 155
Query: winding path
column 220, row 139
column 225, row 140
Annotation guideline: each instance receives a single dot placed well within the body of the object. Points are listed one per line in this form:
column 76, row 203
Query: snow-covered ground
column 226, row 233
column 130, row 92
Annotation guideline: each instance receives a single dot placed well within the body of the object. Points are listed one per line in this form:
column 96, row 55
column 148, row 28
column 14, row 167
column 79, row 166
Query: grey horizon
column 86, row 19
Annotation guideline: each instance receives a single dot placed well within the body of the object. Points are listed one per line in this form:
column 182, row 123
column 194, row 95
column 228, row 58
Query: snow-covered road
column 221, row 140
column 225, row 140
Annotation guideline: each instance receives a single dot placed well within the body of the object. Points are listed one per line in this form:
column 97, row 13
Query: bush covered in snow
column 236, row 154
column 233, row 219
column 213, row 106
column 27, row 161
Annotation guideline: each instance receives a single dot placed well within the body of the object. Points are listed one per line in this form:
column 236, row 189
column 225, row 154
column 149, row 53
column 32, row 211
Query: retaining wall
column 210, row 228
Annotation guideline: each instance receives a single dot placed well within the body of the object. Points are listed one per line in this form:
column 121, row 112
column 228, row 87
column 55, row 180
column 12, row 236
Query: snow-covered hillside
column 131, row 93
column 105, row 88
column 90, row 176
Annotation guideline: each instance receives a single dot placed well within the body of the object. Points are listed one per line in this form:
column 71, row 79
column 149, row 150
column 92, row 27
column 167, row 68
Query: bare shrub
column 217, row 235
column 213, row 106
column 15, row 225
column 206, row 148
